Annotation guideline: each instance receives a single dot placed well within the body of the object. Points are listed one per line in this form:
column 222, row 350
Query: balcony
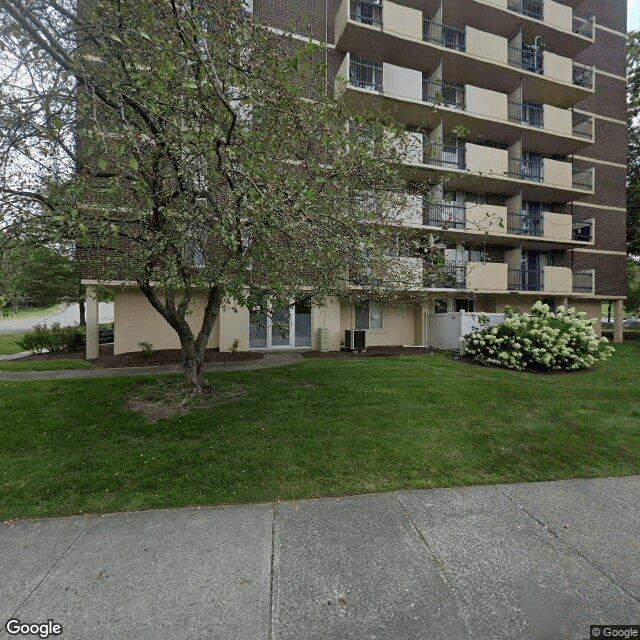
column 583, row 26
column 523, row 223
column 530, row 8
column 525, row 279
column 449, row 154
column 387, row 87
column 582, row 75
column 451, row 275
column 582, row 281
column 582, row 125
column 526, row 113
column 445, row 215
column 524, row 169
column 582, row 231
column 365, row 74
column 548, row 279
column 583, row 179
column 443, row 92
column 547, row 225
column 467, row 275
column 444, row 35
column 367, row 12
column 469, row 53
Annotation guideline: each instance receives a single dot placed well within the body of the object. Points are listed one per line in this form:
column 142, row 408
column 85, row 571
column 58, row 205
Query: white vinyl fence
column 444, row 330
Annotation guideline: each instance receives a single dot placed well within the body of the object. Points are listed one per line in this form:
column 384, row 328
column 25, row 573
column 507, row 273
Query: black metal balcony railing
column 526, row 169
column 582, row 231
column 531, row 8
column 582, row 26
column 450, row 37
column 527, row 57
column 365, row 74
column 443, row 92
column 582, row 125
column 582, row 281
column 451, row 275
column 367, row 12
column 525, row 279
column 582, row 75
column 526, row 113
column 523, row 223
column 447, row 215
column 444, row 154
column 582, row 179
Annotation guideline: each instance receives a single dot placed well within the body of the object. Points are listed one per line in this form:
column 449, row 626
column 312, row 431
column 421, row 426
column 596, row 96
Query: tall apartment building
column 517, row 110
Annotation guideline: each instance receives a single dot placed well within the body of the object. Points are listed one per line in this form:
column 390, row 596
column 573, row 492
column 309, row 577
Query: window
column 369, row 316
column 475, row 198
column 464, row 304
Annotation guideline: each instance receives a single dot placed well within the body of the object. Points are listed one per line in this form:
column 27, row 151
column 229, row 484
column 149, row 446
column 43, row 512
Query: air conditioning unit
column 355, row 339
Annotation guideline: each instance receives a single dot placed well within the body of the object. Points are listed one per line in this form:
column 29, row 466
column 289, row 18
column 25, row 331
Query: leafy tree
column 202, row 155
column 633, row 287
column 633, row 142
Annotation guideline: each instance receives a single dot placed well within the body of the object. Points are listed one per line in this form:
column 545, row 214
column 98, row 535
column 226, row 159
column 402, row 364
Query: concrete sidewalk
column 542, row 560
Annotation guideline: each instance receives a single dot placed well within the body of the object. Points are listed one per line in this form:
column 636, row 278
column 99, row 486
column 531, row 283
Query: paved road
column 527, row 561
column 66, row 317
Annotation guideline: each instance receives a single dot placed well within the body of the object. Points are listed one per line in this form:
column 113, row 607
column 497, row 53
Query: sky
column 633, row 15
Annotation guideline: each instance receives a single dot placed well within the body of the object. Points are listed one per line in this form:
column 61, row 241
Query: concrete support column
column 92, row 323
column 618, row 335
column 564, row 302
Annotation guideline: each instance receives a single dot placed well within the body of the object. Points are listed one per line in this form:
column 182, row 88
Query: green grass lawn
column 45, row 365
column 9, row 343
column 34, row 312
column 317, row 428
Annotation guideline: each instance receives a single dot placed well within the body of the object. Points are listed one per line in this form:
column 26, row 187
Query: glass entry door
column 284, row 328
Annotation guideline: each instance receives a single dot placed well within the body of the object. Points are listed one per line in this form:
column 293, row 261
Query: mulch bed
column 371, row 352
column 136, row 359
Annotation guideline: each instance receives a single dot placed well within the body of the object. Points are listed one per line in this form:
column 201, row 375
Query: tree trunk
column 83, row 318
column 192, row 365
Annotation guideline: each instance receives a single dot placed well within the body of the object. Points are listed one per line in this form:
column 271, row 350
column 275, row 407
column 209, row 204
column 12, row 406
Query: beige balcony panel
column 558, row 15
column 341, row 18
column 558, row 280
column 400, row 82
column 342, row 78
column 558, row 67
column 487, row 46
column 412, row 212
column 558, row 173
column 557, row 120
column 487, row 160
column 486, row 103
column 486, row 218
column 557, row 226
column 487, row 276
column 403, row 21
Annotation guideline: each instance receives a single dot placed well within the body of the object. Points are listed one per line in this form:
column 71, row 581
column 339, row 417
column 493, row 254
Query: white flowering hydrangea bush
column 563, row 340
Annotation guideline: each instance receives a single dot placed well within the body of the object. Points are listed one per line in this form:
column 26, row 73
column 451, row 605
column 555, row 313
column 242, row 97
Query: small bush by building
column 53, row 339
column 563, row 340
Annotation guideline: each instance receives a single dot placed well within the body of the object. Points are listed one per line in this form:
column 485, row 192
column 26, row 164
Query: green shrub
column 541, row 340
column 146, row 348
column 36, row 339
column 53, row 339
